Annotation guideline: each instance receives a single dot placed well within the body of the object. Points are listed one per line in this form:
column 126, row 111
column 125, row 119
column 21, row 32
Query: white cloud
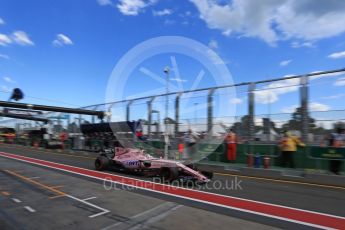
column 213, row 44
column 5, row 89
column 62, row 40
column 4, row 56
column 271, row 20
column 5, row 40
column 313, row 106
column 133, row 7
column 163, row 12
column 271, row 92
column 169, row 22
column 21, row 38
column 337, row 55
column 236, row 101
column 325, row 75
column 185, row 14
column 2, row 22
column 9, row 80
column 340, row 82
column 296, row 44
column 178, row 80
column 285, row 63
column 336, row 96
column 104, row 2
column 266, row 96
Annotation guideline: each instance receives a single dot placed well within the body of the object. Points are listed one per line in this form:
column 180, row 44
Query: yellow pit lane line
column 52, row 189
column 5, row 193
column 51, row 152
column 57, row 196
column 55, row 187
column 282, row 181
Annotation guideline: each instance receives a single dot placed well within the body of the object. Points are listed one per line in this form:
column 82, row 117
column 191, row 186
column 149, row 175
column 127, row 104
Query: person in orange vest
column 63, row 138
column 288, row 145
column 231, row 143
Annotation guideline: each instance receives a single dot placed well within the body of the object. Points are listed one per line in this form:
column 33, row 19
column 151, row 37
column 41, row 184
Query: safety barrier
column 309, row 157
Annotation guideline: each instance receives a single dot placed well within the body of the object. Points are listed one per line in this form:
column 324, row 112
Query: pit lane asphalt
column 308, row 197
column 33, row 197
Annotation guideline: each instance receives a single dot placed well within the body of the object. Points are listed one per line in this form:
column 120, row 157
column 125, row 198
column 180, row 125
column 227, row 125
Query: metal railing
column 208, row 117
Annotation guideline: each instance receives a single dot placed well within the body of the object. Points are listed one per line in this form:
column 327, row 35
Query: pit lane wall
column 308, row 158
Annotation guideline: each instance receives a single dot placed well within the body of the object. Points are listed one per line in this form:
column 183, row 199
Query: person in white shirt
column 190, row 139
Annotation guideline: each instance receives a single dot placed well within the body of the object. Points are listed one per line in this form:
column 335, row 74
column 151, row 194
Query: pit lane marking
column 35, row 177
column 103, row 210
column 59, row 186
column 37, row 151
column 280, row 212
column 28, row 208
column 36, row 183
column 16, row 200
column 5, row 193
column 144, row 219
column 60, row 194
column 280, row 181
column 90, row 198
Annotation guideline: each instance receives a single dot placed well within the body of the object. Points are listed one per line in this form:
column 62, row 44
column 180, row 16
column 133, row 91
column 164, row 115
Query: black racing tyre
column 209, row 175
column 101, row 163
column 169, row 174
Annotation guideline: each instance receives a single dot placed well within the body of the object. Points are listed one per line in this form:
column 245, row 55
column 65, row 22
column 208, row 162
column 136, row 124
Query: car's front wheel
column 209, row 175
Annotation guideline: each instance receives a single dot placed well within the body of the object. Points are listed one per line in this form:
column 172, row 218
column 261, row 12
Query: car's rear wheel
column 101, row 163
column 169, row 174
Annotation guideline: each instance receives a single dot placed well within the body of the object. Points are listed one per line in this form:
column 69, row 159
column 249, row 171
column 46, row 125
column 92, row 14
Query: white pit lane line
column 28, row 208
column 103, row 211
column 143, row 219
column 90, row 198
column 16, row 200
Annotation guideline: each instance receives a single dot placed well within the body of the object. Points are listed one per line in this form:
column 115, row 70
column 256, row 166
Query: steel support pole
column 304, row 94
column 177, row 113
column 210, row 111
column 149, row 116
column 79, row 118
column 93, row 117
column 109, row 115
column 128, row 110
column 251, row 109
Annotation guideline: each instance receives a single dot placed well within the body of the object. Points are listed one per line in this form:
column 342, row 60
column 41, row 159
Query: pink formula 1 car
column 137, row 161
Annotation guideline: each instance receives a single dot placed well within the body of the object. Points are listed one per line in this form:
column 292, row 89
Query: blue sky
column 63, row 52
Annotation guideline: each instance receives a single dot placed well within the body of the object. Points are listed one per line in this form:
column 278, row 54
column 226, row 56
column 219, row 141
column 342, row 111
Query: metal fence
column 309, row 105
